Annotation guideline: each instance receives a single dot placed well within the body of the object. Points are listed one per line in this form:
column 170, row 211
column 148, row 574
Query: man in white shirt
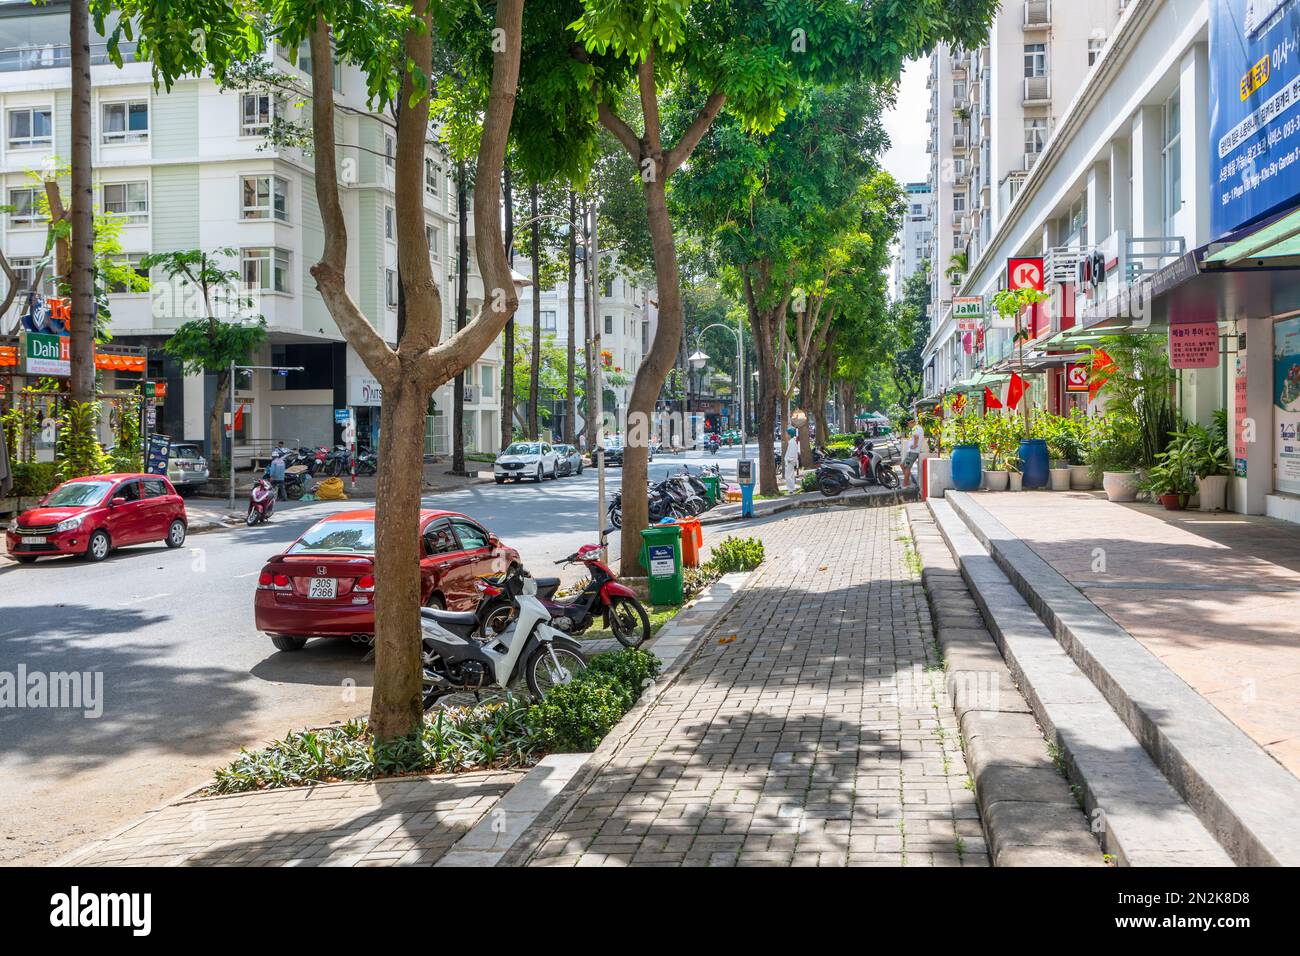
column 915, row 447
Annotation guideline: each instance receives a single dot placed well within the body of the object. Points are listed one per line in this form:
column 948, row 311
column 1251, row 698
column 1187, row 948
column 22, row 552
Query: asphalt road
column 178, row 679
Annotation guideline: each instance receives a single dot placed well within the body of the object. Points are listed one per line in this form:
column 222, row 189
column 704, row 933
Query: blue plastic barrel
column 967, row 470
column 1033, row 462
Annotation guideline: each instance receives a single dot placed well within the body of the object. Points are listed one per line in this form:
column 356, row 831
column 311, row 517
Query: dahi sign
column 1194, row 345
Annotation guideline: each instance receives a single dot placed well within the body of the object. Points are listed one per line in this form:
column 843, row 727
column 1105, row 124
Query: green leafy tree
column 209, row 344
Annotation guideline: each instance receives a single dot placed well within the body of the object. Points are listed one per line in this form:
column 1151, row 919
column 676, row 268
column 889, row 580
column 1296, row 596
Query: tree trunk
column 808, row 409
column 590, row 318
column 570, row 374
column 82, row 203
column 216, row 434
column 650, row 379
column 535, row 361
column 508, row 346
column 462, row 298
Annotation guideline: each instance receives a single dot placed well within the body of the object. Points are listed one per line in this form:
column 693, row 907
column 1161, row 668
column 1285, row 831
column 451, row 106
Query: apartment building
column 917, row 234
column 625, row 312
column 1165, row 201
column 992, row 111
column 191, row 168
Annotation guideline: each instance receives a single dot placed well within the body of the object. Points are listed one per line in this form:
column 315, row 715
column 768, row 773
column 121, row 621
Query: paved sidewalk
column 385, row 823
column 1213, row 596
column 807, row 729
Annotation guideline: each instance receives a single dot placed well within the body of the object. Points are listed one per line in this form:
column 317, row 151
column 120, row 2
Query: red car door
column 156, row 509
column 125, row 520
column 474, row 543
column 444, row 562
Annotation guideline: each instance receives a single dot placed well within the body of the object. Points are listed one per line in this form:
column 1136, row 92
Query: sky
column 907, row 129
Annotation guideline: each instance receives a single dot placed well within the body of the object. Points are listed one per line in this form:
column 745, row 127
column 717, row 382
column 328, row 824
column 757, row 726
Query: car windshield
column 186, row 451
column 353, row 537
column 524, row 448
column 77, row 493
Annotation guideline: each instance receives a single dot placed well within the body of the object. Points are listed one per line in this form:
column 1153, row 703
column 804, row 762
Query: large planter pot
column 938, row 477
column 1015, row 481
column 1060, row 478
column 1080, row 477
column 1173, row 502
column 1033, row 462
column 995, row 480
column 1213, row 492
column 966, row 467
column 1120, row 485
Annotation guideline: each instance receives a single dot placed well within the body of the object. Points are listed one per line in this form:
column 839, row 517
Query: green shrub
column 809, row 481
column 634, row 668
column 76, row 447
column 33, row 479
column 575, row 717
column 737, row 554
column 840, row 449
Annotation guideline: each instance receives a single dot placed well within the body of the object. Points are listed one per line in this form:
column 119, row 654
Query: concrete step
column 1242, row 795
column 1138, row 816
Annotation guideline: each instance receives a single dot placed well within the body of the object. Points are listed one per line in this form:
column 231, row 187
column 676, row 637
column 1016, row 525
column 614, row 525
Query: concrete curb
column 548, row 819
column 1238, row 791
column 1142, row 820
column 1029, row 815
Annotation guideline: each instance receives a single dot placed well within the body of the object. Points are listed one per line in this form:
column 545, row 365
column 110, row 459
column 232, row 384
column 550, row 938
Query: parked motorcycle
column 662, row 505
column 836, row 475
column 297, row 481
column 455, row 658
column 338, row 462
column 602, row 597
column 261, row 502
column 367, row 463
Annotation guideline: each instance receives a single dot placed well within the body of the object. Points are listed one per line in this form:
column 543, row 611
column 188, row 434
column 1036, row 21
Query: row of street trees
column 718, row 108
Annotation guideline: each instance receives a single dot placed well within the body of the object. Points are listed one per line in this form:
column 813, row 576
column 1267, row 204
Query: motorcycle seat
column 546, row 587
column 463, row 623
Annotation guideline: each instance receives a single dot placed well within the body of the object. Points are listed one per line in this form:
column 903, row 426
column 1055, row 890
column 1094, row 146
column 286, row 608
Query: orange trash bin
column 692, row 541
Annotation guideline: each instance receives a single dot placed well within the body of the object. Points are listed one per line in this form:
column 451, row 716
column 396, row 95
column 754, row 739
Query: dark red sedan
column 324, row 584
column 92, row 516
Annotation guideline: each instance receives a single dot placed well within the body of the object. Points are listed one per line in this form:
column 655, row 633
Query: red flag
column 239, row 417
column 990, row 400
column 1101, row 362
column 1015, row 390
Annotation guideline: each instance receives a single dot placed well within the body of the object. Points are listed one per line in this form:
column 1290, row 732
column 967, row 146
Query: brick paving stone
column 822, row 735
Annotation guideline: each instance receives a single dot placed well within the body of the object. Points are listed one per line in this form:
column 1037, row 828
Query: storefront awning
column 1276, row 245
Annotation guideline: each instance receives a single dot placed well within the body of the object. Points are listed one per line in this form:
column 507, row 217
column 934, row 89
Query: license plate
column 33, row 540
column 323, row 588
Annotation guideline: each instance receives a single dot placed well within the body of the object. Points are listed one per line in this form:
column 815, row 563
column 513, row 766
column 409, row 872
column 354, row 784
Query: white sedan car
column 527, row 459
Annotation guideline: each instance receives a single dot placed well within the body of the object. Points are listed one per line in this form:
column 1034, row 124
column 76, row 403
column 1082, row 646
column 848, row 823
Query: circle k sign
column 1076, row 377
column 1025, row 274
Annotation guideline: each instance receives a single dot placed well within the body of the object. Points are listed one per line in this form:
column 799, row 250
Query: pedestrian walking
column 913, row 450
column 275, row 473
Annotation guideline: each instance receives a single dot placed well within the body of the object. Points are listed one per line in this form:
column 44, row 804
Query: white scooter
column 456, row 657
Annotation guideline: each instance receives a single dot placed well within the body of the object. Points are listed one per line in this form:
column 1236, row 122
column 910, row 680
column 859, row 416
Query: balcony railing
column 958, row 140
column 1061, row 263
column 57, row 56
column 1037, row 89
column 1149, row 254
column 1038, row 13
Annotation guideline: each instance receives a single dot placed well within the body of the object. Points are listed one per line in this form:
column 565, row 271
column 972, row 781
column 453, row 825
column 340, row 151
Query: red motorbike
column 602, row 597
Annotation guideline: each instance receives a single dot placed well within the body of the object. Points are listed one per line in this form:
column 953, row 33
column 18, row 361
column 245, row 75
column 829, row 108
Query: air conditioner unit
column 470, row 395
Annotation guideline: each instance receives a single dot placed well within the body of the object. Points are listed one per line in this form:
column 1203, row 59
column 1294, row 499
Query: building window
column 25, row 209
column 609, row 325
column 256, row 113
column 485, row 377
column 390, row 288
column 607, row 288
column 265, row 197
column 390, row 151
column 1095, row 46
column 132, row 260
column 431, row 233
column 390, row 223
column 266, row 269
column 958, row 202
column 1035, row 134
column 430, row 176
column 1035, row 59
column 126, row 122
column 130, row 200
column 30, row 127
column 25, row 275
column 1172, row 157
column 548, row 320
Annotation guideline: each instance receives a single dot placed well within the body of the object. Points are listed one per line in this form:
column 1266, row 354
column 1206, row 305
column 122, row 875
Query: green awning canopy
column 1277, row 244
column 979, row 380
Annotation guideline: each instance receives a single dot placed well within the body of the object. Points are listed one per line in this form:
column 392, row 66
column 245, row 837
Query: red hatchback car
column 92, row 516
column 324, row 584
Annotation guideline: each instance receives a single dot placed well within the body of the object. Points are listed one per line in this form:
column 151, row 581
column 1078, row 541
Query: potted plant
column 1116, row 455
column 1079, row 449
column 1206, row 455
column 1015, row 479
column 1055, row 430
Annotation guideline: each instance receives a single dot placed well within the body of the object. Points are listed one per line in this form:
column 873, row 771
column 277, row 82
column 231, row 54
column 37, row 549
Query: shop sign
column 46, row 354
column 1076, row 377
column 1254, row 128
column 364, row 390
column 1286, row 405
column 1194, row 345
column 1242, row 451
column 968, row 311
column 1025, row 273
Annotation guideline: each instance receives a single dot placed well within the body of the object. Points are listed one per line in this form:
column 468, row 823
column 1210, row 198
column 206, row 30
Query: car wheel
column 98, row 546
column 284, row 642
column 540, row 477
column 176, row 534
column 435, row 600
column 579, row 467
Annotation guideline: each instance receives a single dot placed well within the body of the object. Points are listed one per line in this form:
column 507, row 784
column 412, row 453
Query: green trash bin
column 712, row 485
column 661, row 556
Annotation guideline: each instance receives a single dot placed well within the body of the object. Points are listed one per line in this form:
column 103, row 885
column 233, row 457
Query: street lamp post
column 699, row 359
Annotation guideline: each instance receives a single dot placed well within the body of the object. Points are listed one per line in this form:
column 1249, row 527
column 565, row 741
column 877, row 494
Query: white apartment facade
column 191, row 168
column 1166, row 201
column 914, row 244
column 992, row 112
